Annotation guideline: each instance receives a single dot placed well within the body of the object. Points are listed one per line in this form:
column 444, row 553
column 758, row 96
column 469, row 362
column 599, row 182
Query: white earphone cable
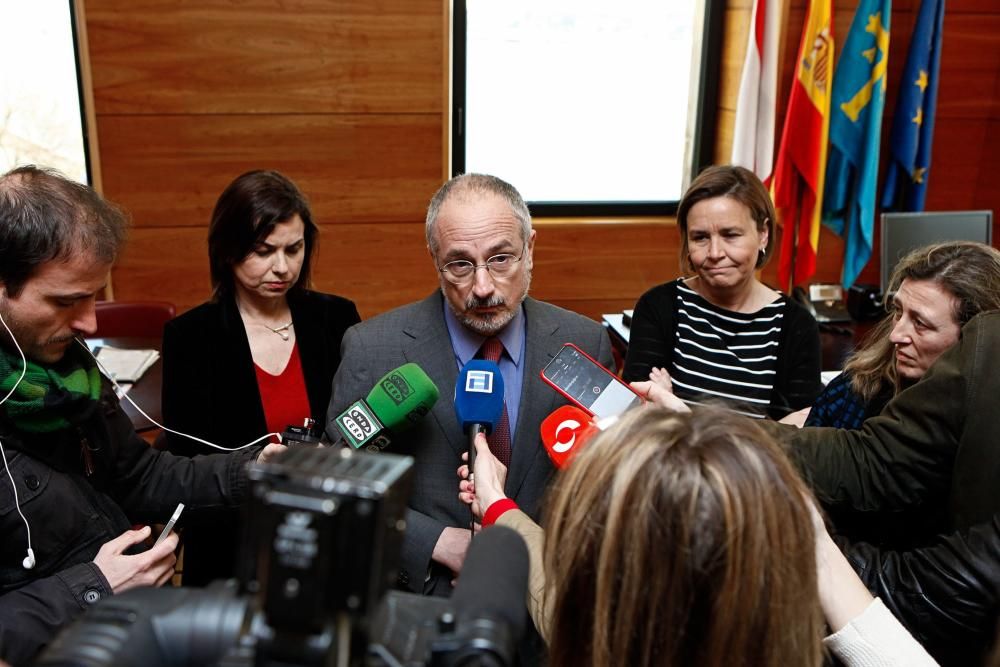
column 125, row 395
column 3, row 454
column 29, row 561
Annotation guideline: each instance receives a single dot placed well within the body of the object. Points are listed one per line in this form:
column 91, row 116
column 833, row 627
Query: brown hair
column 681, row 539
column 246, row 214
column 728, row 181
column 45, row 216
column 967, row 270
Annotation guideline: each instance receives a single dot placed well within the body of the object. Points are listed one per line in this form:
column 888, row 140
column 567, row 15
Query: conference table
column 146, row 391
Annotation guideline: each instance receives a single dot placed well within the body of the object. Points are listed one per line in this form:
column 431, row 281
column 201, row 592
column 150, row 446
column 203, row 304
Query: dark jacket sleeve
column 799, row 362
column 651, row 334
column 353, row 380
column 946, row 594
column 149, row 483
column 320, row 323
column 33, row 614
column 186, row 394
column 604, row 353
column 901, row 457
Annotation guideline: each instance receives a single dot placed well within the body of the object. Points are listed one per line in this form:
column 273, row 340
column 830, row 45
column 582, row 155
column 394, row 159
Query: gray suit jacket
column 417, row 333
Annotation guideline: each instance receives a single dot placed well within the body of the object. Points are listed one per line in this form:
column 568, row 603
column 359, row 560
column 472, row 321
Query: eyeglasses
column 461, row 271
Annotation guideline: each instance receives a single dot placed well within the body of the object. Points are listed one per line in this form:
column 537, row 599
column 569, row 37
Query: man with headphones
column 75, row 475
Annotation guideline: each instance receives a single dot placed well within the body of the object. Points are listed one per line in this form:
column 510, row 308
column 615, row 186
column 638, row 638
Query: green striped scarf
column 49, row 398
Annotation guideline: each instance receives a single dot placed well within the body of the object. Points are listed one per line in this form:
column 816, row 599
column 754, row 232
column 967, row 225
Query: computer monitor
column 903, row 232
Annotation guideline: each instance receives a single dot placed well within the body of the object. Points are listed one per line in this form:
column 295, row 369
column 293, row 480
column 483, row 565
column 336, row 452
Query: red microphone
column 565, row 431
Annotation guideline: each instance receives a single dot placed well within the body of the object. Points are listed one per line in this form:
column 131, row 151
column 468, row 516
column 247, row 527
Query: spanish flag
column 800, row 168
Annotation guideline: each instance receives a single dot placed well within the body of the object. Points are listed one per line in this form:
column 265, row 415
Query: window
column 586, row 106
column 41, row 120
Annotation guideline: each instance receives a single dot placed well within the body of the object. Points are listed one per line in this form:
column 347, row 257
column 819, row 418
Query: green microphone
column 400, row 399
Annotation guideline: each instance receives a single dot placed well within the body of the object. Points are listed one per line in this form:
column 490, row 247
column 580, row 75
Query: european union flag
column 913, row 124
column 855, row 128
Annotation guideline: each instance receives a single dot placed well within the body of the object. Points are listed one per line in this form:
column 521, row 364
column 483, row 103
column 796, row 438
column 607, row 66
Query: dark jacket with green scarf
column 935, row 448
column 72, row 514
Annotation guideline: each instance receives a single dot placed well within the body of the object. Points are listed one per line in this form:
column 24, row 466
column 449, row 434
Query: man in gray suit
column 480, row 239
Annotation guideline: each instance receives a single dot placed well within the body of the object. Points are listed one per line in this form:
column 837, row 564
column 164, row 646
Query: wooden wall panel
column 301, row 56
column 725, row 120
column 348, row 98
column 970, row 63
column 381, row 266
column 596, row 268
column 736, row 22
column 344, row 97
column 169, row 170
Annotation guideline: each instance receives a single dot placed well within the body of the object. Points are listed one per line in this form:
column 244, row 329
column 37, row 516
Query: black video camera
column 325, row 533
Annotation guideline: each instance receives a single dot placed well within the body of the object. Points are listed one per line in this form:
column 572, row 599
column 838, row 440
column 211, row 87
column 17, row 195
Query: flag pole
column 796, row 216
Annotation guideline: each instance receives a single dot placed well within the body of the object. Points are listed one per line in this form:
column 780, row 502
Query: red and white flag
column 753, row 132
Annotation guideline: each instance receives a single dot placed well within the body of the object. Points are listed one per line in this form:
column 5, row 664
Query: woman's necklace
column 281, row 331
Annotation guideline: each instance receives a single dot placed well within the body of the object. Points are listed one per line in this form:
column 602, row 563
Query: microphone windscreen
column 565, row 431
column 493, row 583
column 479, row 394
column 402, row 397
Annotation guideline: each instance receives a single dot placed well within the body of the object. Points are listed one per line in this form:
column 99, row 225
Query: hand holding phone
column 580, row 378
column 170, row 524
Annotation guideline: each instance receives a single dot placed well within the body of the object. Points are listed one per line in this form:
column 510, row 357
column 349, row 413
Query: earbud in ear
column 29, row 560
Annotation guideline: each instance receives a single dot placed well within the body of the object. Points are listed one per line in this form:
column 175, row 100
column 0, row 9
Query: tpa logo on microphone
column 568, row 428
column 479, row 382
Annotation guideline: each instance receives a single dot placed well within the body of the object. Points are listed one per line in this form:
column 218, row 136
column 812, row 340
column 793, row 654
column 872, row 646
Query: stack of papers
column 126, row 365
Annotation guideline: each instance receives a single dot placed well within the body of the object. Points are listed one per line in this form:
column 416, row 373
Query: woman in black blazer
column 259, row 356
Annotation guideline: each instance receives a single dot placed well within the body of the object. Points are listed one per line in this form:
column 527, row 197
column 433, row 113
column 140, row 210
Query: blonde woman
column 933, row 292
column 683, row 539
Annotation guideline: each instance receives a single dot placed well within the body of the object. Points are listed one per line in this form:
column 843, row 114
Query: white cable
column 168, row 430
column 29, row 561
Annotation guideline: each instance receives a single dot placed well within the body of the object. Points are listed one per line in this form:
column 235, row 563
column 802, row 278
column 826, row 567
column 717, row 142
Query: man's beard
column 486, row 324
column 489, row 325
column 16, row 336
column 9, row 328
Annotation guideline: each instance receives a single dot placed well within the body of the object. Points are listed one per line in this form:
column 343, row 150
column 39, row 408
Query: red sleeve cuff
column 496, row 510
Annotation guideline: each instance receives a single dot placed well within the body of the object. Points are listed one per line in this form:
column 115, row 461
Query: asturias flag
column 800, row 168
column 855, row 132
column 913, row 124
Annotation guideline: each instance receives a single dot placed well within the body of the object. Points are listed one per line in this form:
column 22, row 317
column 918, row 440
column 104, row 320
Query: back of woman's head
column 681, row 540
column 967, row 270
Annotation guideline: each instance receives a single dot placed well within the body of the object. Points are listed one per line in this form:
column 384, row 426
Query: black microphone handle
column 343, row 442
